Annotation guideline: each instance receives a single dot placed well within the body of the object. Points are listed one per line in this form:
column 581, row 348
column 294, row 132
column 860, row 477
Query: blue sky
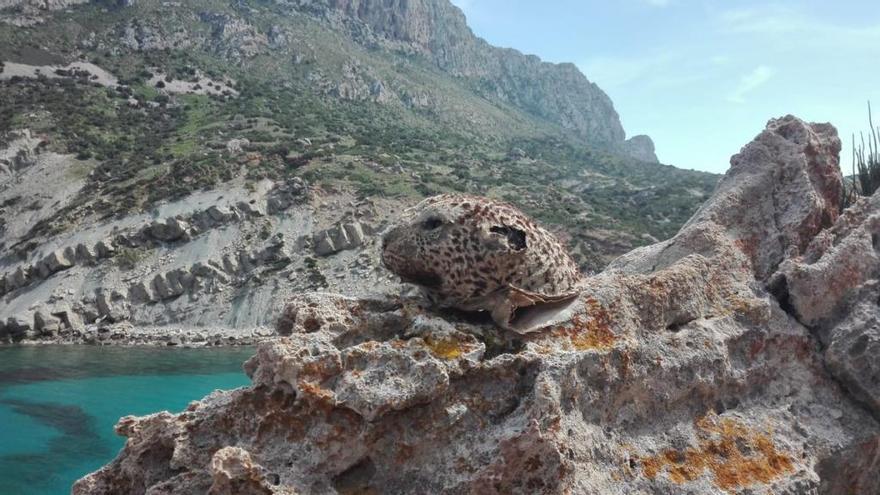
column 703, row 77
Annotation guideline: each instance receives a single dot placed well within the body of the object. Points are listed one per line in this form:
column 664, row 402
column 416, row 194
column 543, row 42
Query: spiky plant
column 866, row 160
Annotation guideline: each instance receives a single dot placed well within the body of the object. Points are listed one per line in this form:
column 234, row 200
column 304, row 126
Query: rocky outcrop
column 559, row 93
column 640, row 147
column 675, row 371
column 834, row 289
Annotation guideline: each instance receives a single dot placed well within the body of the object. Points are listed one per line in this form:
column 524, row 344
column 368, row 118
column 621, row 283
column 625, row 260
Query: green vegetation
column 164, row 145
column 127, row 258
column 866, row 161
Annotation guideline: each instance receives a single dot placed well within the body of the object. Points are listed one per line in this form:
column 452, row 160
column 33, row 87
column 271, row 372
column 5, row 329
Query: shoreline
column 125, row 335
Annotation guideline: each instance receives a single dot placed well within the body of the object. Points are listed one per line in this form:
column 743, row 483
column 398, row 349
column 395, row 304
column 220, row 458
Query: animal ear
column 516, row 238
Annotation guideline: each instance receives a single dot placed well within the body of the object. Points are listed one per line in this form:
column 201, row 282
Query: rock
column 111, row 305
column 85, row 254
column 53, row 262
column 18, row 278
column 833, row 288
column 674, row 371
column 285, row 194
column 220, row 214
column 250, row 209
column 161, row 288
column 171, row 229
column 230, row 264
column 237, row 145
column 141, row 292
column 323, row 244
column 640, row 147
column 355, row 233
column 69, row 318
column 234, row 472
column 46, row 324
column 105, row 248
column 180, row 280
column 20, row 327
column 205, row 270
column 246, row 261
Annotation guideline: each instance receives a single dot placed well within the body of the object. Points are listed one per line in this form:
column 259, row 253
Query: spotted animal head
column 463, row 248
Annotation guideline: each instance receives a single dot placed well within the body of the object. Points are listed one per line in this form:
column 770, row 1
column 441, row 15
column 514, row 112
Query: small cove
column 58, row 404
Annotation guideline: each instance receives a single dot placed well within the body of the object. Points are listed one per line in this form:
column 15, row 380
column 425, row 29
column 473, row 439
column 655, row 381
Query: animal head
column 461, row 248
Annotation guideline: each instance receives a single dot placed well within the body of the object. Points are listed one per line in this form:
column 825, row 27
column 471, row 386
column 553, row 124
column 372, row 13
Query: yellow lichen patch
column 591, row 331
column 734, row 455
column 445, row 347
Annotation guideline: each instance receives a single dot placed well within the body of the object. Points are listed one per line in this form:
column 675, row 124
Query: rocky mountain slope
column 740, row 356
column 188, row 166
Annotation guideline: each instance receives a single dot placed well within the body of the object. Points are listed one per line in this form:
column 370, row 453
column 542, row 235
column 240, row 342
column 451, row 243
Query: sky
column 702, row 78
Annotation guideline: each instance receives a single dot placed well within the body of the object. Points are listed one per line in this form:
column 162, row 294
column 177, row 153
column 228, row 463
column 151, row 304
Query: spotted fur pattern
column 466, row 250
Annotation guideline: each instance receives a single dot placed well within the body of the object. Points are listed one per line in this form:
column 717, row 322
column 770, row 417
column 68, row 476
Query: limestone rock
column 834, row 289
column 674, row 371
column 105, row 248
column 54, row 262
column 85, row 254
column 640, row 147
column 171, row 229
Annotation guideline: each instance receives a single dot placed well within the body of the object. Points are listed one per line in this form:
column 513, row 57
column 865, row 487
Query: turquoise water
column 58, row 404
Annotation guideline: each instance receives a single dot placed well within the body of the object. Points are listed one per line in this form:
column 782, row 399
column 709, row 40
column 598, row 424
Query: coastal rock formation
column 677, row 371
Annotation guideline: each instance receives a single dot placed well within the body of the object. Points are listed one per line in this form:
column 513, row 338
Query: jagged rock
column 105, row 248
column 18, row 278
column 85, row 254
column 355, row 233
column 162, row 288
column 250, row 209
column 171, row 229
column 230, row 265
column 640, row 147
column 52, row 263
column 69, row 318
column 323, row 244
column 221, row 214
column 141, row 293
column 285, row 194
column 46, row 324
column 111, row 305
column 237, row 145
column 833, row 288
column 674, row 371
column 180, row 280
column 205, row 270
column 338, row 238
column 246, row 261
column 234, row 472
column 20, row 327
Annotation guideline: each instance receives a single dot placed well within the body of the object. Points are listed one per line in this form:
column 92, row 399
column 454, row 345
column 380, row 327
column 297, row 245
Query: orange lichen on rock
column 734, row 454
column 592, row 330
column 446, row 348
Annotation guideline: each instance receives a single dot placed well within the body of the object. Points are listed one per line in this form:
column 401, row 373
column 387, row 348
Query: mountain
column 188, row 163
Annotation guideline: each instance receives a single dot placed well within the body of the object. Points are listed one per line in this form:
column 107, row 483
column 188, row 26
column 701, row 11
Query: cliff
column 174, row 172
column 738, row 356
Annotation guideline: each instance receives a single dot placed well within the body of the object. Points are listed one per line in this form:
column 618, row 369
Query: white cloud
column 610, row 72
column 750, row 82
column 780, row 20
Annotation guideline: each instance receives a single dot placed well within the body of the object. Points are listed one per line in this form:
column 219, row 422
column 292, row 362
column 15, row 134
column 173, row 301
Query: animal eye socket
column 432, row 223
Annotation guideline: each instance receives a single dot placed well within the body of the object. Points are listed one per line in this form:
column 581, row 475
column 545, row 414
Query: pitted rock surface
column 678, row 372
